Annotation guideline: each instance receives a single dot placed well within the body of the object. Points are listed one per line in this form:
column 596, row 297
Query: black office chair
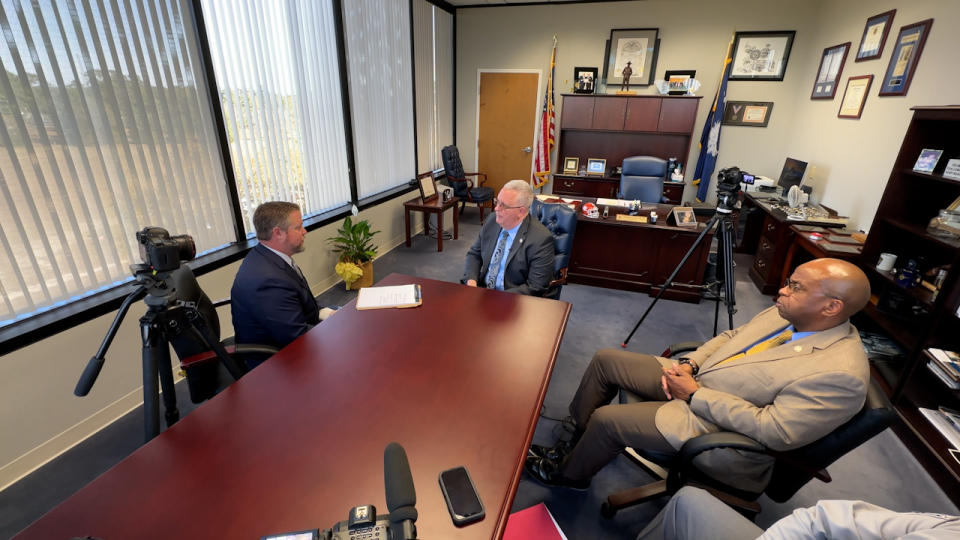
column 205, row 374
column 463, row 187
column 792, row 469
column 641, row 179
column 561, row 221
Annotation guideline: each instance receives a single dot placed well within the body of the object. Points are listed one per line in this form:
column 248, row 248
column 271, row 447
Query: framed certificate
column 875, row 36
column 905, row 57
column 855, row 96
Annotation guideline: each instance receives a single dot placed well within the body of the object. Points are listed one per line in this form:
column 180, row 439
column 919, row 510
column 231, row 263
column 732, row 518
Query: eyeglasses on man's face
column 797, row 287
column 501, row 204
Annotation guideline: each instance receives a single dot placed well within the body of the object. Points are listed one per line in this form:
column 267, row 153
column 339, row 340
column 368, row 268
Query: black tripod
column 724, row 268
column 165, row 319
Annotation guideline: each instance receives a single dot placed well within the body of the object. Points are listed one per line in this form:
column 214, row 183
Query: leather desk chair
column 463, row 187
column 561, row 221
column 641, row 179
column 206, row 375
column 792, row 469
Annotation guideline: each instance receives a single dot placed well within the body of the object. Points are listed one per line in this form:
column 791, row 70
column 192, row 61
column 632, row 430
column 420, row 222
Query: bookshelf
column 914, row 318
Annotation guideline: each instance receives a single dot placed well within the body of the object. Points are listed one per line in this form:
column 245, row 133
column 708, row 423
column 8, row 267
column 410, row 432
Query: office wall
column 852, row 157
column 39, row 415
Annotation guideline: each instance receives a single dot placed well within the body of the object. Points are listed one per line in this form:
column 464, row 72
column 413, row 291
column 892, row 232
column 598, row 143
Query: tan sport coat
column 784, row 397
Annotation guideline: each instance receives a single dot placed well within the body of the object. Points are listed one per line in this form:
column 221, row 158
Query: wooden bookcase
column 913, row 317
column 615, row 127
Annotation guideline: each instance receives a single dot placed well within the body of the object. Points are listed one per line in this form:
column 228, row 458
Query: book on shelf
column 948, row 361
column 938, row 371
column 943, row 424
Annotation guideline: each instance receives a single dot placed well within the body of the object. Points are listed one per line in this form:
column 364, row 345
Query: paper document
column 944, row 426
column 397, row 296
column 612, row 202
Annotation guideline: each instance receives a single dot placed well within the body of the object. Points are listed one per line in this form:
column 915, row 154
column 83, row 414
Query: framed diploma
column 875, row 36
column 855, row 96
column 831, row 67
column 905, row 57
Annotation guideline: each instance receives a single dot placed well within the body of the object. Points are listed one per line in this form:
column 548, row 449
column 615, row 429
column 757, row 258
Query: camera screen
column 748, row 178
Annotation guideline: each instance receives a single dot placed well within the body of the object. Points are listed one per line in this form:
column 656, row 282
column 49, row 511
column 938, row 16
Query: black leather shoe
column 553, row 453
column 547, row 472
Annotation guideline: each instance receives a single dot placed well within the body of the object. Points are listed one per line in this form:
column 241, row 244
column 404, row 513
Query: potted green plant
column 355, row 245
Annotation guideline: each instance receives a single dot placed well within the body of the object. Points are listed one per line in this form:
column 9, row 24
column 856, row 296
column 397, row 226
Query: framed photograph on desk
column 570, row 165
column 683, row 216
column 428, row 188
column 596, row 166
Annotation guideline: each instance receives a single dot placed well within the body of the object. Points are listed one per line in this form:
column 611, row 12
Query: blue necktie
column 494, row 269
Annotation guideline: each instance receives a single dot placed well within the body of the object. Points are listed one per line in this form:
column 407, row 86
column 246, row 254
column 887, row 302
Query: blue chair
column 462, row 186
column 642, row 179
column 561, row 221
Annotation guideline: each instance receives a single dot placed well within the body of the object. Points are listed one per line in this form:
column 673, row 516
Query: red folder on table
column 534, row 523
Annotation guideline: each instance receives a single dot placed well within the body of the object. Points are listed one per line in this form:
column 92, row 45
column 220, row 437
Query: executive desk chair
column 463, row 187
column 205, row 374
column 641, row 179
column 561, row 221
column 792, row 469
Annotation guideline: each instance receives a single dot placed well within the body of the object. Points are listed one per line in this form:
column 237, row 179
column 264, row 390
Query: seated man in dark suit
column 515, row 252
column 271, row 301
column 788, row 377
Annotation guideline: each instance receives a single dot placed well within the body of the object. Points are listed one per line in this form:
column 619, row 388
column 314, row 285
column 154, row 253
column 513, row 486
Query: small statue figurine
column 627, row 72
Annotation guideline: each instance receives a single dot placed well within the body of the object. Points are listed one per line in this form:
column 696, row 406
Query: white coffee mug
column 886, row 262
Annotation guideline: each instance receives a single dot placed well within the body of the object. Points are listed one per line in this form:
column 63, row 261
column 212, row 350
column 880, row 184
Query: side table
column 433, row 206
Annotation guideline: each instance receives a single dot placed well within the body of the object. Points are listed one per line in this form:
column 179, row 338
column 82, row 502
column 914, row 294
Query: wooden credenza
column 615, row 127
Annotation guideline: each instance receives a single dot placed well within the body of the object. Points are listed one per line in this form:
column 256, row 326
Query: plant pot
column 366, row 279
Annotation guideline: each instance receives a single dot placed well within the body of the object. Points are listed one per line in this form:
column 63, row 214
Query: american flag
column 543, row 143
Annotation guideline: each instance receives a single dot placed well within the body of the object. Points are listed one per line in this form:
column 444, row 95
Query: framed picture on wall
column 855, row 96
column 905, row 57
column 747, row 113
column 761, row 56
column 875, row 36
column 639, row 47
column 831, row 67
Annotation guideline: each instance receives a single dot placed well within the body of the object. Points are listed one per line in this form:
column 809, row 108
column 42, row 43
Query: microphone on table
column 400, row 493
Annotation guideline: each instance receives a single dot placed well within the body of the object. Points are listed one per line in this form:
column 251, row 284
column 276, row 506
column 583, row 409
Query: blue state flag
column 710, row 139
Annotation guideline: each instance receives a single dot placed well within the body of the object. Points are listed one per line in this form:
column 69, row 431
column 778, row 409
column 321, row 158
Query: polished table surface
column 299, row 441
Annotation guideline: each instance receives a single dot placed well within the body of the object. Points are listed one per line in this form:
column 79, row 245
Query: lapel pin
column 797, row 348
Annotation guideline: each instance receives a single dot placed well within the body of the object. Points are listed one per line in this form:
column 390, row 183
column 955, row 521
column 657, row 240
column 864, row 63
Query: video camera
column 728, row 185
column 161, row 252
column 363, row 522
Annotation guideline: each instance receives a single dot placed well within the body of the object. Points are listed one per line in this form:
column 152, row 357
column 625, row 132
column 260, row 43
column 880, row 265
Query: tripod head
column 728, row 186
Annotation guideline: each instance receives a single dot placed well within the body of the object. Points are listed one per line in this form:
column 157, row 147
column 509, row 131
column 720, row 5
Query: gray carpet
column 882, row 471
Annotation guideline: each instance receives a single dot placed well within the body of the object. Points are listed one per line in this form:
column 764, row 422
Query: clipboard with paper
column 396, row 296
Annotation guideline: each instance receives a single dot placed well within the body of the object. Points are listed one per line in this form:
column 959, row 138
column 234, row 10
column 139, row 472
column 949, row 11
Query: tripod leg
column 729, row 282
column 165, row 371
column 150, row 336
column 663, row 289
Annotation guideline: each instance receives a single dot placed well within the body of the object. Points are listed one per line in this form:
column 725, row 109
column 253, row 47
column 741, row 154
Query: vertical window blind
column 381, row 92
column 433, row 68
column 278, row 81
column 105, row 127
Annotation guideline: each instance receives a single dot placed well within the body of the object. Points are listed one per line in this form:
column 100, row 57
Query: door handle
column 527, row 150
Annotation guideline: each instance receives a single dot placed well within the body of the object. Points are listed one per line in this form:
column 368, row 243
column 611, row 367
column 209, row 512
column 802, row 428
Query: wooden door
column 508, row 114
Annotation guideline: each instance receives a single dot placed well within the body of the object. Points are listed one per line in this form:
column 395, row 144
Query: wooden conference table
column 299, row 441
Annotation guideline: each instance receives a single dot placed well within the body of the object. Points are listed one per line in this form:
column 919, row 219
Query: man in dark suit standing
column 515, row 252
column 271, row 301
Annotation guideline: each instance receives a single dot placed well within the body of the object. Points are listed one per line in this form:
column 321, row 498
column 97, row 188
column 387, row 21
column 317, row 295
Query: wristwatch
column 693, row 366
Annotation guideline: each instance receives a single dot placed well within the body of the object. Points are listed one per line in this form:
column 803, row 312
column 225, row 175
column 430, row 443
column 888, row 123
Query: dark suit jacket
column 271, row 303
column 530, row 261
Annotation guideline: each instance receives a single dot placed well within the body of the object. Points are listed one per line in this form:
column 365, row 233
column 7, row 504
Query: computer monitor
column 792, row 174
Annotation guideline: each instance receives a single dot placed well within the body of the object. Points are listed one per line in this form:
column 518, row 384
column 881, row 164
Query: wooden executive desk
column 638, row 256
column 299, row 441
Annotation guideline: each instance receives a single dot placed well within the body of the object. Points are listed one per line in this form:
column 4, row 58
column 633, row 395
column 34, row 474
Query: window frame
column 47, row 323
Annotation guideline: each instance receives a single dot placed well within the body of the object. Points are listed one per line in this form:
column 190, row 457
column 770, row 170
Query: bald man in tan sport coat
column 784, row 397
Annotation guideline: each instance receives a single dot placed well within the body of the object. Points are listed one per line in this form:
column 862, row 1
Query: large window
column 433, row 66
column 278, row 78
column 105, row 127
column 381, row 93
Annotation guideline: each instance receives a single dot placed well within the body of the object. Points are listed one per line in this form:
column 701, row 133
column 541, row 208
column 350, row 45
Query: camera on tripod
column 161, row 252
column 728, row 186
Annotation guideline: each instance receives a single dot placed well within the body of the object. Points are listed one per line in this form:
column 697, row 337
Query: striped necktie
column 494, row 269
column 775, row 341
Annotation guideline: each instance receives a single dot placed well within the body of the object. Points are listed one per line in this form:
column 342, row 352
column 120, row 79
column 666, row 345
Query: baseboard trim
column 39, row 456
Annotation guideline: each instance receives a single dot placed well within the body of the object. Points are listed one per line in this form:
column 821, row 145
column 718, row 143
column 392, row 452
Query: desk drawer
column 564, row 185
